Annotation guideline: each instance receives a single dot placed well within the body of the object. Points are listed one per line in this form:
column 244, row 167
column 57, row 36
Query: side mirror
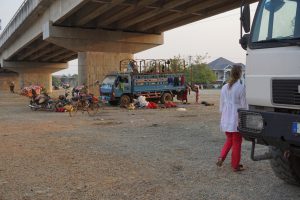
column 245, row 18
column 244, row 41
column 274, row 5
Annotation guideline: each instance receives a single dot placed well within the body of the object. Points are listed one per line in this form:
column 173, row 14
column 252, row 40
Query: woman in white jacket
column 232, row 98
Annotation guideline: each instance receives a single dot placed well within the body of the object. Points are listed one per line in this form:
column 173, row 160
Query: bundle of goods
column 152, row 105
column 41, row 98
column 95, row 99
column 131, row 106
column 68, row 108
column 170, row 104
column 79, row 91
column 27, row 91
column 141, row 102
column 60, row 109
column 79, row 87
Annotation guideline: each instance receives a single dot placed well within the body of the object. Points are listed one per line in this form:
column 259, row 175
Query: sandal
column 239, row 168
column 220, row 162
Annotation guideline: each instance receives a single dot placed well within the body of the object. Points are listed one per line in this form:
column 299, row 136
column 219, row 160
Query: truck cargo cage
column 152, row 66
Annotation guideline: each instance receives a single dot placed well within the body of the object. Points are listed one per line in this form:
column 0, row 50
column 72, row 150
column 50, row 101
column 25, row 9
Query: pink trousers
column 234, row 141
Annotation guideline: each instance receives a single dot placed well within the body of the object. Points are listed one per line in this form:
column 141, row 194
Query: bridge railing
column 23, row 12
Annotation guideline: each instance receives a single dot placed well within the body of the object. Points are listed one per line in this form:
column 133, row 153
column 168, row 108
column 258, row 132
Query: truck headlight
column 250, row 122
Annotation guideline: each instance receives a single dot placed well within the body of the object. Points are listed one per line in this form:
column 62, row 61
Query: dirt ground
column 121, row 154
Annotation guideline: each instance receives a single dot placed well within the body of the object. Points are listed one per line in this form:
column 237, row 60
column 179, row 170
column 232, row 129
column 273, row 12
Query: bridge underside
column 39, row 50
column 144, row 16
column 62, row 30
column 131, row 16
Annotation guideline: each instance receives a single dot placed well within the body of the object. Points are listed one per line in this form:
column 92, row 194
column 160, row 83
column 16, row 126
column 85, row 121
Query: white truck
column 273, row 84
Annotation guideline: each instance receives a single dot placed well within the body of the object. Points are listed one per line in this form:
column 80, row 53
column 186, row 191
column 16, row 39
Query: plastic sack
column 142, row 101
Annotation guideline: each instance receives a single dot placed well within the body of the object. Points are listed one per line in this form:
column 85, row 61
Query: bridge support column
column 35, row 73
column 102, row 50
column 32, row 78
column 93, row 66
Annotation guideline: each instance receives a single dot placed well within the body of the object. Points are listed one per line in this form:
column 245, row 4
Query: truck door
column 123, row 85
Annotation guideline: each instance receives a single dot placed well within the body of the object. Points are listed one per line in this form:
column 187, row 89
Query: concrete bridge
column 45, row 34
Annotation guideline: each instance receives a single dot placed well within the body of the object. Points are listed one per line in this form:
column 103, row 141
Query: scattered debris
column 131, row 106
column 154, row 125
column 206, row 103
column 187, row 116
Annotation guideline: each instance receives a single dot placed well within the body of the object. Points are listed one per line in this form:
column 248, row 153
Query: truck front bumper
column 281, row 130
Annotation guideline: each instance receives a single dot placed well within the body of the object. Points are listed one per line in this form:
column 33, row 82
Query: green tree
column 199, row 71
column 177, row 64
column 199, row 59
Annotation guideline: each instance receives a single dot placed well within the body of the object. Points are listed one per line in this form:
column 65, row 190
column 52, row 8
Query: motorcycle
column 62, row 101
column 41, row 102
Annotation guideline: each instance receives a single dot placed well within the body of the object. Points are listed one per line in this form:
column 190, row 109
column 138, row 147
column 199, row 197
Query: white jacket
column 230, row 101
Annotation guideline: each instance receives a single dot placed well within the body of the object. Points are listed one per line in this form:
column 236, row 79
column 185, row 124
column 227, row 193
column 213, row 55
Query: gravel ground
column 120, row 154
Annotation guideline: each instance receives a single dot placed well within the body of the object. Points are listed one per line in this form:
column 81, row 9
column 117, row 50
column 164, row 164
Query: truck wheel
column 166, row 97
column 125, row 100
column 285, row 169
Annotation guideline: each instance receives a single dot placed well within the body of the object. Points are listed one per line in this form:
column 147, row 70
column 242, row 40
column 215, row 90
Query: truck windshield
column 277, row 23
column 109, row 80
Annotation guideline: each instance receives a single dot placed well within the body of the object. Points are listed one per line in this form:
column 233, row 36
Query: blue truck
column 157, row 80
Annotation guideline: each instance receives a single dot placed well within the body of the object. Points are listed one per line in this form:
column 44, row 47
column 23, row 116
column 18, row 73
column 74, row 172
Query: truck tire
column 166, row 97
column 125, row 100
column 285, row 169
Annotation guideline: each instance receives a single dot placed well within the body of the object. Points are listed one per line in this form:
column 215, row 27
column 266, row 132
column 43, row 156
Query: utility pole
column 190, row 63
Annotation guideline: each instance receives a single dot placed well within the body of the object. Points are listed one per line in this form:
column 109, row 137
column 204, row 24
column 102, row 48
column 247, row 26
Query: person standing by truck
column 232, row 98
column 196, row 89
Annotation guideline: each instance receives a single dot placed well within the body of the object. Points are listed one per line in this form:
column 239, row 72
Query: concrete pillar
column 34, row 78
column 35, row 73
column 6, row 78
column 93, row 66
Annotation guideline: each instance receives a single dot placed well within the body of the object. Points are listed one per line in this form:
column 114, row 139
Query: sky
column 217, row 36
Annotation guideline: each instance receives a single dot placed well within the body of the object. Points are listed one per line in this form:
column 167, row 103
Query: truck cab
column 273, row 85
column 114, row 86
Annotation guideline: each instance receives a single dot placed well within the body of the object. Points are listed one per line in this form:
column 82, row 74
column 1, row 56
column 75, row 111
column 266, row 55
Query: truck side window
column 124, row 79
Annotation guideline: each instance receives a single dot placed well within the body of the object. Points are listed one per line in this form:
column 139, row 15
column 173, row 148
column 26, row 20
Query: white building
column 221, row 67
